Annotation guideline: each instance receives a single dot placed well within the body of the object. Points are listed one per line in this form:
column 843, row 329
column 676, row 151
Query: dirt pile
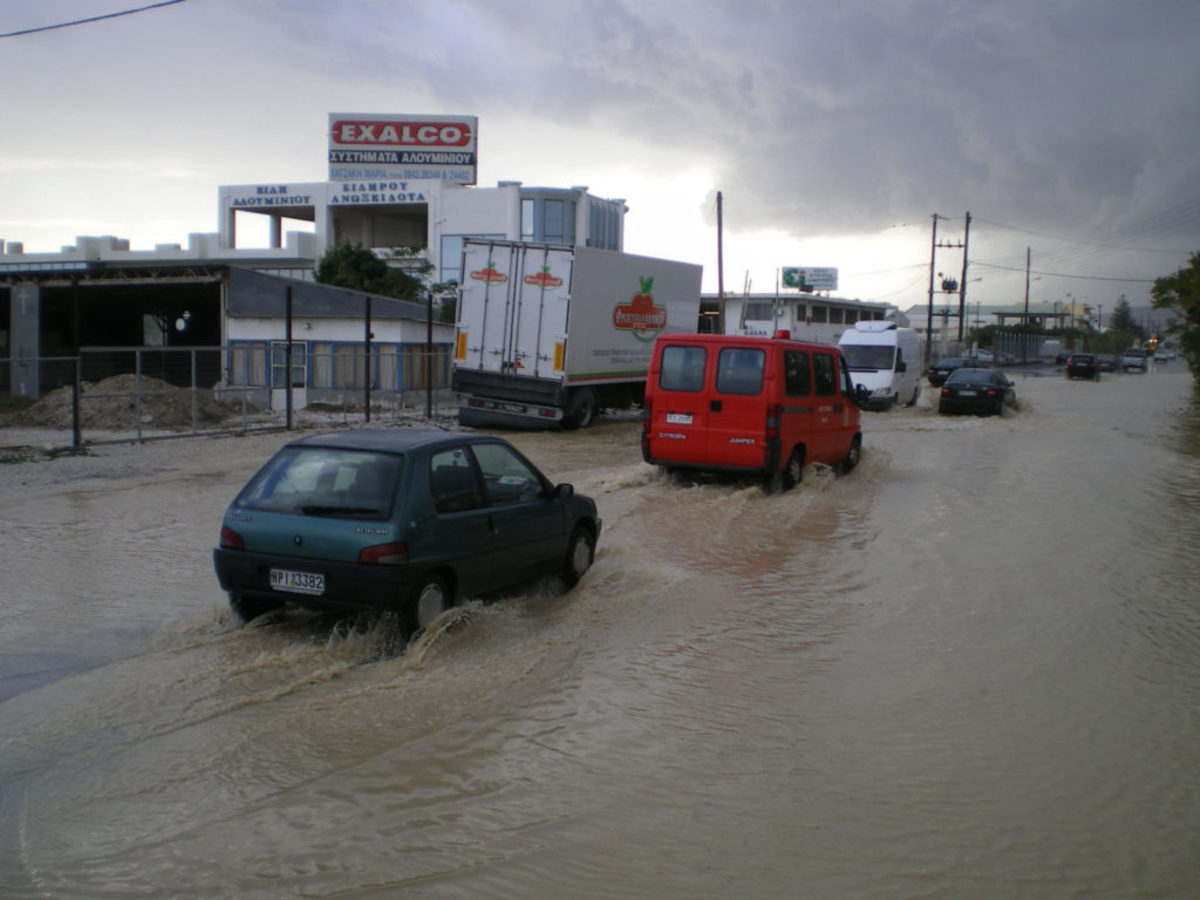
column 113, row 404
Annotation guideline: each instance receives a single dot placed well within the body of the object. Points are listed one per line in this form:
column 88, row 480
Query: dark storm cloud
column 848, row 116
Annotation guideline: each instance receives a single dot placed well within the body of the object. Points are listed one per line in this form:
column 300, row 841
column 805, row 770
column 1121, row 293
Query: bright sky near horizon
column 833, row 129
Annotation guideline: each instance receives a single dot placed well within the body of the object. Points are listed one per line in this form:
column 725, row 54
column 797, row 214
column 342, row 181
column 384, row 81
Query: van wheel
column 852, row 456
column 581, row 409
column 787, row 477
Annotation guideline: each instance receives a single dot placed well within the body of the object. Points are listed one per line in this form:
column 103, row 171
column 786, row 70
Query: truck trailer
column 550, row 334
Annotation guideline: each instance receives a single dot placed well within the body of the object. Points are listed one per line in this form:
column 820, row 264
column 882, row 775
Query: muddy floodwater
column 970, row 668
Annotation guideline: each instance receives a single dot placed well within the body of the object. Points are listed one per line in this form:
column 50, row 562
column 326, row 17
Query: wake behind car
column 980, row 391
column 398, row 519
column 940, row 371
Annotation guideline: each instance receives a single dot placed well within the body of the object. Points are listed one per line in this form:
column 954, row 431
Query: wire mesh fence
column 117, row 394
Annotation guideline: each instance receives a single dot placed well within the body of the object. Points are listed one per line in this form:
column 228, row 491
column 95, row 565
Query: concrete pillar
column 25, row 340
column 276, row 232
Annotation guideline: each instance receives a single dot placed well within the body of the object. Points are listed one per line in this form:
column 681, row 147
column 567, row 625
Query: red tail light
column 647, row 416
column 231, row 540
column 991, row 393
column 945, row 392
column 384, row 555
column 774, row 414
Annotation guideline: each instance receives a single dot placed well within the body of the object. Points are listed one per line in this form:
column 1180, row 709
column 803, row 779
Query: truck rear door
column 513, row 310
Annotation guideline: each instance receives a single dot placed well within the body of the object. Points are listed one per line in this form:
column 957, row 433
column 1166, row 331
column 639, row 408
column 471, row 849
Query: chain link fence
column 120, row 394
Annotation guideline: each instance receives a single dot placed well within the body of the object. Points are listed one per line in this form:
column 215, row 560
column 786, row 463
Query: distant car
column 940, row 370
column 983, row 354
column 1166, row 354
column 980, row 391
column 1060, row 359
column 1108, row 362
column 1083, row 365
column 398, row 519
column 1134, row 360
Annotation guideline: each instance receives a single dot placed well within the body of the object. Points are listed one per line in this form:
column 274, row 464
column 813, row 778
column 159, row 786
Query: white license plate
column 297, row 582
column 679, row 418
column 966, row 393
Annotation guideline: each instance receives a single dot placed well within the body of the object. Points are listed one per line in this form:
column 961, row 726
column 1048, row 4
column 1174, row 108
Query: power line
column 1062, row 274
column 125, row 12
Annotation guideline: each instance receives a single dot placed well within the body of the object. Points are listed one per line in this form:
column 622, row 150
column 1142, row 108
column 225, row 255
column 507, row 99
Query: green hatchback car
column 398, row 519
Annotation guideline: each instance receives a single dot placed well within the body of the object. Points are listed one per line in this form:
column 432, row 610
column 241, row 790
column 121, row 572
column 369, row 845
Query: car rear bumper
column 347, row 585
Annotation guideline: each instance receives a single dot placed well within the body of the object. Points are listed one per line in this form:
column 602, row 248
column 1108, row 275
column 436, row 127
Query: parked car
column 942, row 368
column 398, row 519
column 1166, row 354
column 1083, row 365
column 979, row 391
column 1134, row 360
column 1108, row 362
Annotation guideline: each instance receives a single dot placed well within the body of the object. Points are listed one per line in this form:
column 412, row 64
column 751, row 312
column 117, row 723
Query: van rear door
column 679, row 403
column 737, row 409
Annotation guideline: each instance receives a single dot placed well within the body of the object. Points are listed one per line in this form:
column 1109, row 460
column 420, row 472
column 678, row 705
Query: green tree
column 1122, row 320
column 359, row 268
column 1181, row 292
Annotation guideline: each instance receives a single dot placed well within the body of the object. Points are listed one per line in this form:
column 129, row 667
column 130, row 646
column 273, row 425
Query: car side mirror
column 862, row 396
column 564, row 491
column 902, row 366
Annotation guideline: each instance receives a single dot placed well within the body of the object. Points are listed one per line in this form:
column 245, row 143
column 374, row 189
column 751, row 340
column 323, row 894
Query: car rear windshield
column 682, row 368
column 323, row 481
column 972, row 376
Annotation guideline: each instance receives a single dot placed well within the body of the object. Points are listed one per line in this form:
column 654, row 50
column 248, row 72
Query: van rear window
column 682, row 368
column 740, row 370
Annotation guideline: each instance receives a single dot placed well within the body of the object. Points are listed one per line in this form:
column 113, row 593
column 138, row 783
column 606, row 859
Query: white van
column 885, row 359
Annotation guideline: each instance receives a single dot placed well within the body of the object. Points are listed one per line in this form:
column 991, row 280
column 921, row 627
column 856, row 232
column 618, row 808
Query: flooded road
column 971, row 668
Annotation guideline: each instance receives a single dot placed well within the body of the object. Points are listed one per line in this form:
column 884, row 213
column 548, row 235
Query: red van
column 753, row 405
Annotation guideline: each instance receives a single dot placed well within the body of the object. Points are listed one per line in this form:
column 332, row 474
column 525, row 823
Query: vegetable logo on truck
column 640, row 316
column 489, row 274
column 544, row 279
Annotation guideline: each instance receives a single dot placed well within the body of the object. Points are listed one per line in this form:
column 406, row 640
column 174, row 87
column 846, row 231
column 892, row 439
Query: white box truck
column 549, row 334
column 885, row 360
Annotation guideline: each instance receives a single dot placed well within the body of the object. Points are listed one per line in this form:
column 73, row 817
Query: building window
column 851, row 316
column 819, row 313
column 527, row 220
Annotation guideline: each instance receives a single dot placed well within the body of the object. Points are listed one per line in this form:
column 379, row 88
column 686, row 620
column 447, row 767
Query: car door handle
column 714, row 406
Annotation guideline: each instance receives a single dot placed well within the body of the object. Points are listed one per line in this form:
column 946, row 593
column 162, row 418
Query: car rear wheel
column 431, row 601
column 247, row 609
column 580, row 553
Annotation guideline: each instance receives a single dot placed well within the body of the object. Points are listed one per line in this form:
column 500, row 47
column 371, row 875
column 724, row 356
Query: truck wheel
column 581, row 409
column 580, row 552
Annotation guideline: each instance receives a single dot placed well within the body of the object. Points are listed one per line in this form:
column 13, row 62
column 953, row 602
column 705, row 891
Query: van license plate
column 297, row 582
column 679, row 418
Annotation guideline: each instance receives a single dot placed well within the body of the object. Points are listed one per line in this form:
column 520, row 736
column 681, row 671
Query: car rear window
column 321, row 481
column 740, row 370
column 682, row 368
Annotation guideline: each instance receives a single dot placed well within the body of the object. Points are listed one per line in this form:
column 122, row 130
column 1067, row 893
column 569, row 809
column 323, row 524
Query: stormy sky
column 833, row 129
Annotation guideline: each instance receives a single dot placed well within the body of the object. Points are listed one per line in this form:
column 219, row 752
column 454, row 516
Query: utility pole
column 929, row 319
column 962, row 290
column 1025, row 320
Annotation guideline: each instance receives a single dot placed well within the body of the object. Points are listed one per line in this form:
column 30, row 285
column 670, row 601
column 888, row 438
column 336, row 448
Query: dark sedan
column 1083, row 365
column 979, row 391
column 940, row 370
column 1108, row 362
column 398, row 519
